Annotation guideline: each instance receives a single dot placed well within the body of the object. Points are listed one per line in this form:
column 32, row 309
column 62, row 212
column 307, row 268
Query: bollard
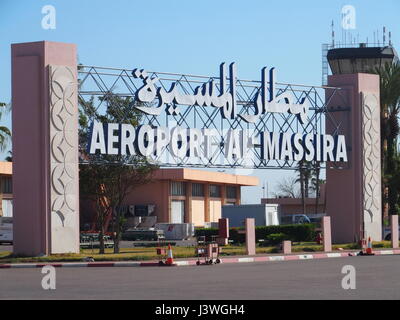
column 250, row 237
column 326, row 231
column 286, row 247
column 394, row 225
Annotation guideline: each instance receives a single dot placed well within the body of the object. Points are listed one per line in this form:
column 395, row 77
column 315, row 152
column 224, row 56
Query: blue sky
column 195, row 36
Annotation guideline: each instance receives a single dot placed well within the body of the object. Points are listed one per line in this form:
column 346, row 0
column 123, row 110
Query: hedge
column 293, row 232
column 276, row 238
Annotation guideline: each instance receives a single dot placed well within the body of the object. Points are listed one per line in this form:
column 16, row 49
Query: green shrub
column 293, row 232
column 274, row 239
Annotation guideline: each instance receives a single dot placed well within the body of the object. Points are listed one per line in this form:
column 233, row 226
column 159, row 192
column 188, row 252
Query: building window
column 215, row 191
column 198, row 190
column 7, row 184
column 178, row 188
column 231, row 192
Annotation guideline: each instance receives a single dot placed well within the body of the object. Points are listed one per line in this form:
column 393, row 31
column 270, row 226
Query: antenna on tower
column 384, row 35
column 333, row 34
column 377, row 36
column 390, row 38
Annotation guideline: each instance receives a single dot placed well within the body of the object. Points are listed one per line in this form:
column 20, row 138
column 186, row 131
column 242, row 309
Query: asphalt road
column 377, row 277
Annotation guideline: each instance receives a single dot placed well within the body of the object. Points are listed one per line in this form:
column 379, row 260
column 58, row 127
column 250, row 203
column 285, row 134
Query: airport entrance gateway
column 209, row 121
column 182, row 120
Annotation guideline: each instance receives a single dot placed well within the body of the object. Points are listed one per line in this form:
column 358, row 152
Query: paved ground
column 377, row 277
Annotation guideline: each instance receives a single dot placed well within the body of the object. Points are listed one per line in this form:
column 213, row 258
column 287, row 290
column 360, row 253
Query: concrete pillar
column 394, row 225
column 223, row 194
column 250, row 236
column 188, row 201
column 45, row 148
column 206, row 202
column 354, row 192
column 238, row 195
column 286, row 247
column 169, row 213
column 326, row 234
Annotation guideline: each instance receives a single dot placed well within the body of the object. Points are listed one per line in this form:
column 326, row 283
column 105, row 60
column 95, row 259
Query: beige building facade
column 190, row 196
column 6, row 198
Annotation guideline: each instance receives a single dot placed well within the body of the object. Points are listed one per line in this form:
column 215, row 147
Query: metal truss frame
column 98, row 82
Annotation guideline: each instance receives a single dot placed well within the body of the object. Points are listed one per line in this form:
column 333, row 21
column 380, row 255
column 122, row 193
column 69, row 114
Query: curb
column 181, row 263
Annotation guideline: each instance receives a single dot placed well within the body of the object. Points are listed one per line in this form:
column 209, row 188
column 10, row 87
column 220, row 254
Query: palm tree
column 5, row 133
column 301, row 178
column 315, row 183
column 390, row 107
column 9, row 157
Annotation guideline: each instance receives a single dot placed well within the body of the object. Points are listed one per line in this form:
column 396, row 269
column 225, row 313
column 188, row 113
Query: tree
column 316, row 182
column 107, row 184
column 287, row 188
column 5, row 133
column 390, row 106
column 9, row 157
column 105, row 179
column 304, row 169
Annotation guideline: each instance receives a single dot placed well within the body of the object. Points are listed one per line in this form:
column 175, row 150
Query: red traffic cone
column 170, row 258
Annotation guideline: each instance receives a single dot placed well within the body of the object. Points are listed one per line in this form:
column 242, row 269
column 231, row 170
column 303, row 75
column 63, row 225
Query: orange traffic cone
column 170, row 258
column 369, row 248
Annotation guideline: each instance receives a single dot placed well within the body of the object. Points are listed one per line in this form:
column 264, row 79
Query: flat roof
column 205, row 176
column 5, row 167
column 181, row 174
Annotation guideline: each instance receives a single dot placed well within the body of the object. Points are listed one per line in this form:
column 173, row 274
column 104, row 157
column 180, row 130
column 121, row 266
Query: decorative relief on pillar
column 371, row 157
column 63, row 147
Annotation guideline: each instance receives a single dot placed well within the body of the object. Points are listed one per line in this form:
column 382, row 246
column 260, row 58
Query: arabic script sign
column 208, row 95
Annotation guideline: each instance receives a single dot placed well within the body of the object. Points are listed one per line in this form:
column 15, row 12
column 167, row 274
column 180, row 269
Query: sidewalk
column 192, row 261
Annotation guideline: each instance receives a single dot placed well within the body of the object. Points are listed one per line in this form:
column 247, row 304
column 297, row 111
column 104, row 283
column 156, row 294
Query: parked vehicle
column 6, row 230
column 143, row 234
column 387, row 233
column 176, row 231
column 91, row 240
column 294, row 219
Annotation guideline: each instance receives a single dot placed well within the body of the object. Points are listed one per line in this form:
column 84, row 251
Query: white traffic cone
column 170, row 258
